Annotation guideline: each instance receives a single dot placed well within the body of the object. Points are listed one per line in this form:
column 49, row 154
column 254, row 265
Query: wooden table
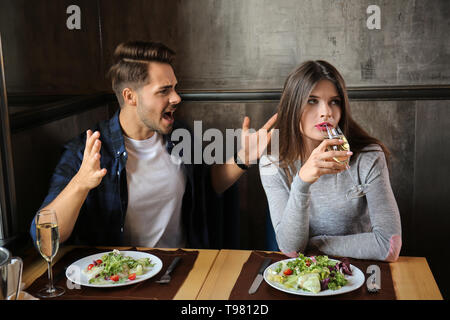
column 188, row 291
column 412, row 277
column 215, row 272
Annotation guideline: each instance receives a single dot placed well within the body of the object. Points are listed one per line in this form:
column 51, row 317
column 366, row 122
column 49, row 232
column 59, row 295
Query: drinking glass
column 358, row 190
column 47, row 240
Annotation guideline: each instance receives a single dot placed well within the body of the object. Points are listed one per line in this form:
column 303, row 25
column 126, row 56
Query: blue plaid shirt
column 102, row 216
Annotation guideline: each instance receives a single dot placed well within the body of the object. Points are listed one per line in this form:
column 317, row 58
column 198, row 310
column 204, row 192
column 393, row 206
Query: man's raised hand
column 254, row 143
column 90, row 174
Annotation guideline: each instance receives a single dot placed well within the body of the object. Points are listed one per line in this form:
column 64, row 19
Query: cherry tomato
column 90, row 266
column 308, row 263
column 288, row 272
column 99, row 261
column 115, row 278
column 132, row 276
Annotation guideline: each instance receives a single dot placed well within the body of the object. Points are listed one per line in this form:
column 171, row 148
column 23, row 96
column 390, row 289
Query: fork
column 166, row 277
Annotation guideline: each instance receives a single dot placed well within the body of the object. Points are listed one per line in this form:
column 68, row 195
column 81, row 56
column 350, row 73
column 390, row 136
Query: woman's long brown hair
column 297, row 88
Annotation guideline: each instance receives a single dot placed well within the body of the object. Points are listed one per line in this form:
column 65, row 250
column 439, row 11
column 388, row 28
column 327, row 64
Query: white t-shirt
column 156, row 187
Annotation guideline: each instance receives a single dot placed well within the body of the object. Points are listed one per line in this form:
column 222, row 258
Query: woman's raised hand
column 321, row 161
column 90, row 175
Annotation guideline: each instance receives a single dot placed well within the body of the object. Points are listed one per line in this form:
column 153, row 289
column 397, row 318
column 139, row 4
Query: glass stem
column 351, row 177
column 50, row 277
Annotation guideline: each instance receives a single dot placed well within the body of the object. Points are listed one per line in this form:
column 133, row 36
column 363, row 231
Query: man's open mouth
column 168, row 116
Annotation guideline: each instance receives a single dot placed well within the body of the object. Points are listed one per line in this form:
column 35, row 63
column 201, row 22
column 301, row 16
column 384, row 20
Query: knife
column 259, row 276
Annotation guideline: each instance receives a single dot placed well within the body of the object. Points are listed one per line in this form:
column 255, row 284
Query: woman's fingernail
column 349, row 153
column 340, row 140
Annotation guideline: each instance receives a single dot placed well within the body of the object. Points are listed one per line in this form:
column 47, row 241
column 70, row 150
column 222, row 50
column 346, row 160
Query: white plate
column 355, row 281
column 75, row 274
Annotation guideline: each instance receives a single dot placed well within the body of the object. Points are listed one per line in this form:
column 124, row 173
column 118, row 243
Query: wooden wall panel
column 37, row 151
column 431, row 213
column 42, row 55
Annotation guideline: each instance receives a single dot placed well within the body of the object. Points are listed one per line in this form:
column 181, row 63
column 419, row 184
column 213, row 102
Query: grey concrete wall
column 226, row 44
column 253, row 44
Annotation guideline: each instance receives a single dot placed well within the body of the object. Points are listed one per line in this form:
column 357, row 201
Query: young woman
column 306, row 189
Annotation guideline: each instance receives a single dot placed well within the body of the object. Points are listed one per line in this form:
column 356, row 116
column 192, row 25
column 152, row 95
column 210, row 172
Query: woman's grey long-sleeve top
column 319, row 215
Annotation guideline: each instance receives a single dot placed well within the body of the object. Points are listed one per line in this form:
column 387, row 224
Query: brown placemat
column 265, row 292
column 145, row 290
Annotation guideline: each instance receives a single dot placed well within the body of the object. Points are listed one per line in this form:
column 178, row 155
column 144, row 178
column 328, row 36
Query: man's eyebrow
column 167, row 86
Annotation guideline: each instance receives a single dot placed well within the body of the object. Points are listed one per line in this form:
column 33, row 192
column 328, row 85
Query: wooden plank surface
column 223, row 274
column 412, row 277
column 188, row 291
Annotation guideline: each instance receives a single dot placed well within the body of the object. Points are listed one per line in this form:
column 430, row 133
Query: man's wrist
column 79, row 185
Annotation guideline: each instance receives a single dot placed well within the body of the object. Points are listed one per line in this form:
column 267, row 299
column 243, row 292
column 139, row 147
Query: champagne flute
column 47, row 240
column 358, row 190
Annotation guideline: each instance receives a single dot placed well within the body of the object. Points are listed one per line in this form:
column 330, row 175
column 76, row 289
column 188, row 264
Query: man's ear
column 129, row 97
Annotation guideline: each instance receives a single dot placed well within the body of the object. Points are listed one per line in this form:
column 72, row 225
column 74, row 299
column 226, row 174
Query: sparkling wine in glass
column 47, row 241
column 358, row 190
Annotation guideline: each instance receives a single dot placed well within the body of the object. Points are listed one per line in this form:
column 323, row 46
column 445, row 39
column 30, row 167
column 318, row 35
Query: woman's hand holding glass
column 321, row 161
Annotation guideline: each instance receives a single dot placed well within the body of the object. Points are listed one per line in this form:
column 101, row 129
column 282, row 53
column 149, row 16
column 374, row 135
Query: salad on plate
column 115, row 267
column 311, row 274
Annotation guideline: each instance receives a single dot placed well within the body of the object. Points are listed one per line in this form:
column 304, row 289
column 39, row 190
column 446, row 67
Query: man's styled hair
column 130, row 64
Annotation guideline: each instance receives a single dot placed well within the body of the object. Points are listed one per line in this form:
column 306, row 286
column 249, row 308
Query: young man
column 119, row 185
